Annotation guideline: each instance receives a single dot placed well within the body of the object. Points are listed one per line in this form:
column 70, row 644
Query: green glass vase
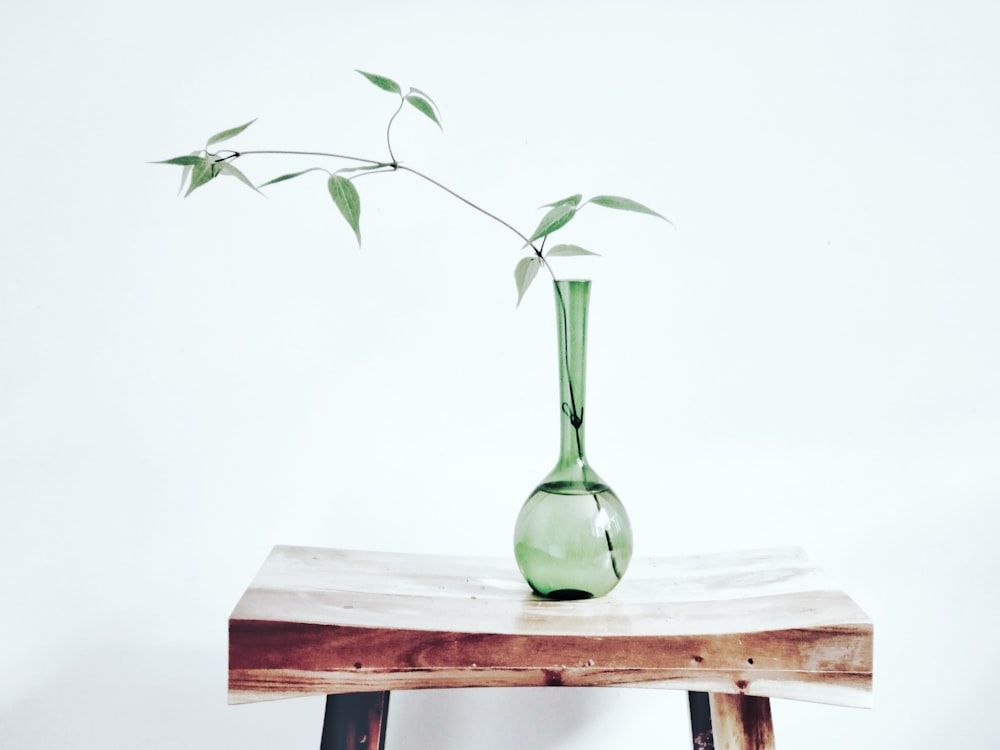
column 573, row 539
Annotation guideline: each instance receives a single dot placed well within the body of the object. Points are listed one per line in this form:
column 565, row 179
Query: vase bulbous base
column 572, row 540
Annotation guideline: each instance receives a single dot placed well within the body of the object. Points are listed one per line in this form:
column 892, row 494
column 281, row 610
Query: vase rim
column 571, row 281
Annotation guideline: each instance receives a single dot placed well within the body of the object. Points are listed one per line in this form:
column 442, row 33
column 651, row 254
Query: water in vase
column 573, row 539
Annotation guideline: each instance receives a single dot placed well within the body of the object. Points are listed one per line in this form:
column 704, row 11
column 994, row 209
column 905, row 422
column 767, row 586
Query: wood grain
column 764, row 622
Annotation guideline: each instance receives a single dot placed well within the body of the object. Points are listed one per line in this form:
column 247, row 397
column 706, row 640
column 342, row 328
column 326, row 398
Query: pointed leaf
column 624, row 204
column 200, row 174
column 573, row 200
column 568, row 250
column 186, row 172
column 226, row 168
column 557, row 217
column 225, row 135
column 386, row 84
column 345, row 195
column 291, row 175
column 524, row 274
column 415, row 90
column 424, row 106
column 185, row 161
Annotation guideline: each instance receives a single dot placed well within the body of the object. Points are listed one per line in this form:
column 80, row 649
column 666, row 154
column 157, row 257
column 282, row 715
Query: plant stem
column 395, row 165
column 467, row 202
column 388, row 128
column 238, row 154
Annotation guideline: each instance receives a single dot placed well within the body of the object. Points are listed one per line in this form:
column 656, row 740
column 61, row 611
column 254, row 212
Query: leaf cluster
column 560, row 213
column 416, row 98
column 204, row 165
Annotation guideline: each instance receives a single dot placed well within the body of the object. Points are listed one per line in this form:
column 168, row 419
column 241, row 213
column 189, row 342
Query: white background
column 811, row 358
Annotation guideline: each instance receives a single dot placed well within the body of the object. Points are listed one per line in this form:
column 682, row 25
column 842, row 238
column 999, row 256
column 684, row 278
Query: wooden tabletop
column 762, row 622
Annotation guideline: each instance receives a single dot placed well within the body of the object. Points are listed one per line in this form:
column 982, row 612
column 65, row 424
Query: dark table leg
column 355, row 721
column 701, row 721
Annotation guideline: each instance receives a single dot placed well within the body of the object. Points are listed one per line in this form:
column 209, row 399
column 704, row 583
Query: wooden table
column 742, row 627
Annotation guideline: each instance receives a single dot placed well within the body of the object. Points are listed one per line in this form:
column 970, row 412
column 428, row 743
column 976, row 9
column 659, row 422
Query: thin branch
column 469, row 203
column 393, row 166
column 237, row 154
column 388, row 128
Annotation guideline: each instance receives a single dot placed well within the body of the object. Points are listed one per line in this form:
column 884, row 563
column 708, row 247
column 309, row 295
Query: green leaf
column 557, row 217
column 291, row 175
column 200, row 174
column 524, row 274
column 226, row 168
column 186, row 172
column 185, row 161
column 568, row 250
column 424, row 106
column 624, row 204
column 345, row 195
column 425, row 95
column 573, row 200
column 225, row 135
column 386, row 84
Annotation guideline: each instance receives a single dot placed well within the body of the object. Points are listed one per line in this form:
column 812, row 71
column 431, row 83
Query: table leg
column 355, row 721
column 741, row 722
column 701, row 720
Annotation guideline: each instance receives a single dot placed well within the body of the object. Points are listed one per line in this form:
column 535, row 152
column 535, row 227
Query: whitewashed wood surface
column 761, row 622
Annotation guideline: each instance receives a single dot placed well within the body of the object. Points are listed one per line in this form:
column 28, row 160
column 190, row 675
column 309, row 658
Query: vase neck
column 572, row 303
